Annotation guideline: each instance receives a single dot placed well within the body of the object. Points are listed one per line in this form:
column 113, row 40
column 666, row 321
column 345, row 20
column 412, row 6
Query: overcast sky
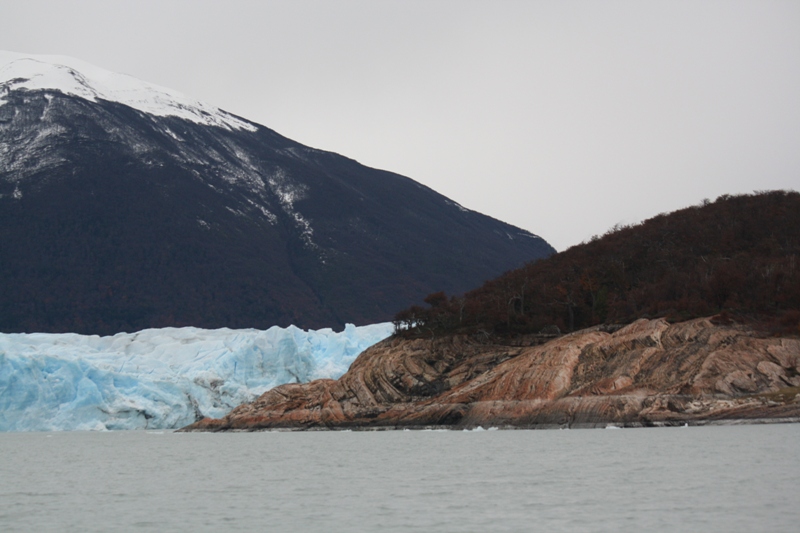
column 563, row 118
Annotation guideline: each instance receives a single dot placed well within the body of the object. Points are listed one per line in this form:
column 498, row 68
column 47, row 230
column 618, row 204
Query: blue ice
column 160, row 378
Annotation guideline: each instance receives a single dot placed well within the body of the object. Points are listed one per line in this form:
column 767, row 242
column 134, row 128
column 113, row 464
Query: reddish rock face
column 647, row 373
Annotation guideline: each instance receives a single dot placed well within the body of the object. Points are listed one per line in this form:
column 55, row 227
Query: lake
column 712, row 478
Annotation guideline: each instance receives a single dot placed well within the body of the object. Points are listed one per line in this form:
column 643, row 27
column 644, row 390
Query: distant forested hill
column 738, row 256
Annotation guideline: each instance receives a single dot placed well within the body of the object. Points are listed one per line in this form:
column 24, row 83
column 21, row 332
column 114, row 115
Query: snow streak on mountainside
column 160, row 378
column 78, row 78
column 124, row 206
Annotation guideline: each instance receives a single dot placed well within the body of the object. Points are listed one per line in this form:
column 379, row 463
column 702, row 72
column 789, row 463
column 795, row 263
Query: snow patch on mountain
column 81, row 79
column 160, row 378
column 269, row 215
column 30, row 154
column 272, row 190
column 457, row 206
column 288, row 192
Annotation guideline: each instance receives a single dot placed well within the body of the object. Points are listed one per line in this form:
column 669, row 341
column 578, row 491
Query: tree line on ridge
column 735, row 258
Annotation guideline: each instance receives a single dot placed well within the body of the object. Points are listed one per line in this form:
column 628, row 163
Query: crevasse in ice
column 160, row 378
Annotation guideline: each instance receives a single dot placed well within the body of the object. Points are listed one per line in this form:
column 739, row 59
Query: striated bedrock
column 647, row 373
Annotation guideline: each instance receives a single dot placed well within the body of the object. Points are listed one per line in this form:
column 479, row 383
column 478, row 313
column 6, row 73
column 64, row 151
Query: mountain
column 125, row 206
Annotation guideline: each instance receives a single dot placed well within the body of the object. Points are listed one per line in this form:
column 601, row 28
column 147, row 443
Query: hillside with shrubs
column 736, row 258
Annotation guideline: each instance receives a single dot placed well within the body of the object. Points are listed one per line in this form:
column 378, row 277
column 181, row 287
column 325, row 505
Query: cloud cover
column 563, row 118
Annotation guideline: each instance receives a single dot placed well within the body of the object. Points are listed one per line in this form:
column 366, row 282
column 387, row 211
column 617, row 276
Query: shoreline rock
column 648, row 373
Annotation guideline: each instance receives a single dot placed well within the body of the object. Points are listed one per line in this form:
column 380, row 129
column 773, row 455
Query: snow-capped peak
column 78, row 78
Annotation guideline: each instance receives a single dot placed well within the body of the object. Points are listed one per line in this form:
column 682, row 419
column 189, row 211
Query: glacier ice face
column 160, row 378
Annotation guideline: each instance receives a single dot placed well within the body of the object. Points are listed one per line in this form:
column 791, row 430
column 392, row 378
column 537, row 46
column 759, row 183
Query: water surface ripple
column 729, row 478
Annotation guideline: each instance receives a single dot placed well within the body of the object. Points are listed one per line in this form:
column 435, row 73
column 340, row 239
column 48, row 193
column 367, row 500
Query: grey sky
column 563, row 118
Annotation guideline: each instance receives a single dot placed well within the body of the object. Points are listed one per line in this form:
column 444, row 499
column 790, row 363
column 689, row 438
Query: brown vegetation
column 737, row 258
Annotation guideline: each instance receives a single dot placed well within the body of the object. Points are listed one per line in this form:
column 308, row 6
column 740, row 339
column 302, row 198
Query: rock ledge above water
column 647, row 373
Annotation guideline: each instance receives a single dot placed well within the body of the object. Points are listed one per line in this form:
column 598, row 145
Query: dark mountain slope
column 114, row 219
column 739, row 256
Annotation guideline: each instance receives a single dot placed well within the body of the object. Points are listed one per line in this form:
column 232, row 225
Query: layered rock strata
column 647, row 373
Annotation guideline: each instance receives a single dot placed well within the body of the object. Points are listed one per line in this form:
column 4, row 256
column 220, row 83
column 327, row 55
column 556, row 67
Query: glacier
column 161, row 378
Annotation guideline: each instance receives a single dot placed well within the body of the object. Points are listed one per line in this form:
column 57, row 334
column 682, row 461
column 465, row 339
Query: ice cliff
column 160, row 378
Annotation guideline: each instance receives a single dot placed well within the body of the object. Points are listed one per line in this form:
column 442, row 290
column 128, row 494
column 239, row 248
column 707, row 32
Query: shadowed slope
column 115, row 219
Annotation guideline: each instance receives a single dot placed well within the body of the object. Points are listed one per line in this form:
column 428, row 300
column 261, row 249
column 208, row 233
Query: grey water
column 720, row 478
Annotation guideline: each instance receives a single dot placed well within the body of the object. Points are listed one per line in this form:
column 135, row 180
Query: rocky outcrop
column 647, row 373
